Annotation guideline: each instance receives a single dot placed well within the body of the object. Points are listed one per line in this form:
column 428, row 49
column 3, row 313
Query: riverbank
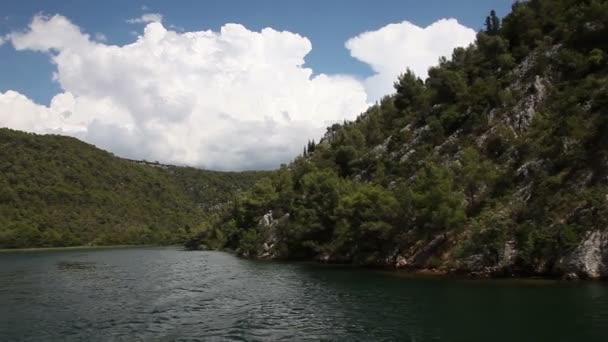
column 46, row 249
column 443, row 272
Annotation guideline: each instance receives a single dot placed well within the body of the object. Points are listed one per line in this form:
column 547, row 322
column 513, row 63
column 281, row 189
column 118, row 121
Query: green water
column 165, row 294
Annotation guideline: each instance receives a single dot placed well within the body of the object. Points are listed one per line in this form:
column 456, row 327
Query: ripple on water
column 75, row 265
column 167, row 294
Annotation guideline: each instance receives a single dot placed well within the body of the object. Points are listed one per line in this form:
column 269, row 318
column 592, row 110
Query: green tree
column 476, row 175
column 409, row 91
column 494, row 22
column 345, row 156
column 252, row 205
column 436, row 202
column 366, row 217
column 313, row 215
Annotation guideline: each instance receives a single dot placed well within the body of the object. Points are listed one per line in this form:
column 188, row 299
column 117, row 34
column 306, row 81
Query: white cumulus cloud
column 393, row 48
column 146, row 18
column 233, row 99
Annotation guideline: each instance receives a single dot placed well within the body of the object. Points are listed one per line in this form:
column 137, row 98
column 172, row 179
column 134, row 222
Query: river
column 165, row 294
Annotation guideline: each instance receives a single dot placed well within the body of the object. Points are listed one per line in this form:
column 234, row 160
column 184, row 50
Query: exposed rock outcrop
column 268, row 227
column 588, row 260
column 419, row 258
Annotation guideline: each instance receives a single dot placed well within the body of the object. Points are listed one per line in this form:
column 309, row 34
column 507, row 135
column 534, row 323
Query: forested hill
column 495, row 164
column 59, row 191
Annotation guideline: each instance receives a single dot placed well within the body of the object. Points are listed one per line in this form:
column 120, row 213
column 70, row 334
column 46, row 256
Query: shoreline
column 398, row 271
column 68, row 248
column 441, row 273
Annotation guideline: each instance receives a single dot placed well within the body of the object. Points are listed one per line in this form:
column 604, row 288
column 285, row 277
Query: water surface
column 167, row 294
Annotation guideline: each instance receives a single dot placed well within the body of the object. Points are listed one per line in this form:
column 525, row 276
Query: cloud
column 146, row 18
column 234, row 99
column 50, row 33
column 100, row 37
column 176, row 28
column 393, row 48
column 19, row 112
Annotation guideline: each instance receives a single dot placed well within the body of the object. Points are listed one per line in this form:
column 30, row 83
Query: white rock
column 589, row 259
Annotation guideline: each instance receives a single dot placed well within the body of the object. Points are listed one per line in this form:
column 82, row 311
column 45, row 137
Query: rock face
column 268, row 227
column 509, row 255
column 419, row 258
column 267, row 220
column 588, row 260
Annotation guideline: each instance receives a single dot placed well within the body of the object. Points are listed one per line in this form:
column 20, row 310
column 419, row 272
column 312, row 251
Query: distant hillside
column 495, row 164
column 60, row 191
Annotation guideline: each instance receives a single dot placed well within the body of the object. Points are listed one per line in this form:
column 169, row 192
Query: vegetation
column 59, row 191
column 505, row 142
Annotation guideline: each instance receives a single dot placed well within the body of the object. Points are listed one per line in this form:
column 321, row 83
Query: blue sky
column 226, row 85
column 328, row 24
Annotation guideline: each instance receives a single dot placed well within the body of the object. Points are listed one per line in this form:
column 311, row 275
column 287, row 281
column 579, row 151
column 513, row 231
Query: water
column 167, row 294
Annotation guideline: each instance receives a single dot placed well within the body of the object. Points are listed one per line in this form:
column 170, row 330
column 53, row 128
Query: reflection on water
column 167, row 294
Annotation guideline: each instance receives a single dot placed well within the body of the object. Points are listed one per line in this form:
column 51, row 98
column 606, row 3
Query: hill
column 59, row 191
column 496, row 164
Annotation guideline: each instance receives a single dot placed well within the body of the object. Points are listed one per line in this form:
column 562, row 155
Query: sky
column 225, row 85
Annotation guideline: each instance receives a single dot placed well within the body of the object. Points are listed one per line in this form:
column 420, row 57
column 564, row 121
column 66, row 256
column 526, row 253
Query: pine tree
column 488, row 24
column 492, row 23
column 311, row 146
column 495, row 21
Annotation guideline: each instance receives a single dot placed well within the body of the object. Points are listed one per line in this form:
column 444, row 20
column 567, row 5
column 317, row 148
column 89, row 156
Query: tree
column 492, row 23
column 447, row 86
column 476, row 176
column 344, row 158
column 251, row 205
column 313, row 212
column 437, row 205
column 409, row 90
column 310, row 146
column 366, row 217
column 488, row 24
column 495, row 21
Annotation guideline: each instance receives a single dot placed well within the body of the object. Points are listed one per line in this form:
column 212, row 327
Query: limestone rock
column 420, row 258
column 589, row 259
column 509, row 254
column 268, row 227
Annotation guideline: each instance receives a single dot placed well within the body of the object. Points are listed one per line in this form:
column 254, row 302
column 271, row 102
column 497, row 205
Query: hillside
column 496, row 164
column 59, row 191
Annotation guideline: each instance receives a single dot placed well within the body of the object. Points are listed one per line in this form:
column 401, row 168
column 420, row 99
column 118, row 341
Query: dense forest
column 497, row 163
column 59, row 191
